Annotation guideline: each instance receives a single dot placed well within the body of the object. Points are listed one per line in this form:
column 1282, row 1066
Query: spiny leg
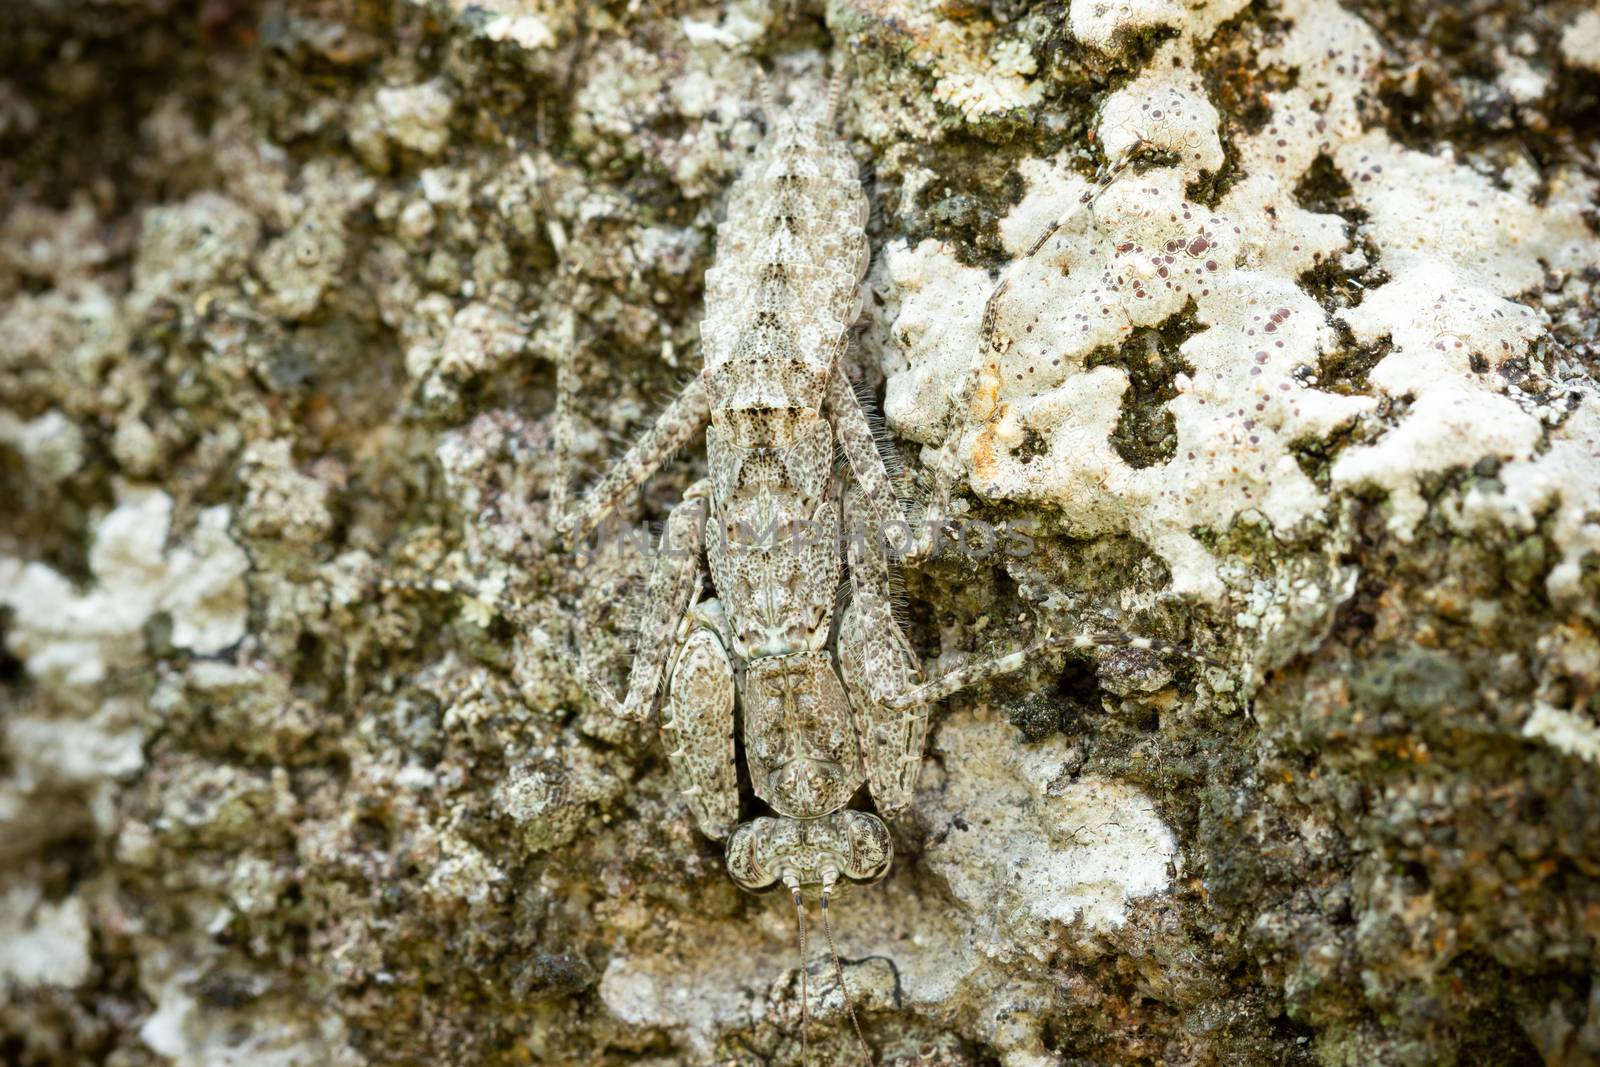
column 675, row 578
column 697, row 722
column 674, row 585
column 975, row 673
column 879, row 505
column 673, row 428
column 566, row 386
column 984, row 375
column 877, row 664
column 685, row 417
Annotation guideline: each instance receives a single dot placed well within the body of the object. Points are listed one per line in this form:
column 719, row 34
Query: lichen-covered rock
column 294, row 766
column 46, row 943
column 1030, row 847
column 74, row 640
column 1454, row 248
column 417, row 116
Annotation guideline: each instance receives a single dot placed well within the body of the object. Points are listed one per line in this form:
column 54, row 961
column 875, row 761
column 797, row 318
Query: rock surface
column 293, row 765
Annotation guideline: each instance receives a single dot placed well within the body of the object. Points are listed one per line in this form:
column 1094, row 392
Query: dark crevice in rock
column 1341, row 281
column 966, row 210
column 1345, row 367
column 1146, row 434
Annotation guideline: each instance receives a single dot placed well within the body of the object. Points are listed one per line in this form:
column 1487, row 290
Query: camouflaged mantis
column 827, row 698
column 821, row 715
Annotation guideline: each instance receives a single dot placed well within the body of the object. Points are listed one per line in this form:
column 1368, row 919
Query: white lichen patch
column 300, row 265
column 626, row 93
column 64, row 246
column 480, row 338
column 698, row 977
column 1458, row 249
column 1029, row 848
column 67, row 637
column 186, row 249
column 462, row 873
column 205, row 590
column 712, row 90
column 1556, row 719
column 1165, row 108
column 736, row 25
column 536, row 25
column 280, row 502
column 1580, row 41
column 66, row 337
column 1103, row 23
column 51, row 445
column 417, row 116
column 271, row 1031
column 1140, row 258
column 935, row 304
column 1447, row 422
column 1033, row 420
column 1573, row 734
column 307, row 258
column 526, row 31
column 1520, row 79
column 67, row 751
column 1001, row 81
column 42, row 942
column 704, row 976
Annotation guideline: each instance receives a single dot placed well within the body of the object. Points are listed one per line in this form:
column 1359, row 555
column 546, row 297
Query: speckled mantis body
column 825, row 705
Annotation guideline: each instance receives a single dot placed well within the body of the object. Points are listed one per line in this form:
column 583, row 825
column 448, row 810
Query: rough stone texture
column 293, row 768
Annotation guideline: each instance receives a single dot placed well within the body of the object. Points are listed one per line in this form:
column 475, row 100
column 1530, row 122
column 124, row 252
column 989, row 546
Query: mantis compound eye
column 871, row 850
column 748, row 852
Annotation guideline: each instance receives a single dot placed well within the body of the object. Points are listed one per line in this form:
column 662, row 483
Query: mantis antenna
column 838, row 970
column 805, row 1004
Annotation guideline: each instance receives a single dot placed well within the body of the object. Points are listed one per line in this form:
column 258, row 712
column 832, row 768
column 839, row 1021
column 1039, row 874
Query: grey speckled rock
column 293, row 768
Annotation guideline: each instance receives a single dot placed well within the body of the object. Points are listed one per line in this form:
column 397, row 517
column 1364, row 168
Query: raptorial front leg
column 674, row 585
column 881, row 511
column 697, row 722
column 675, row 427
column 878, row 507
column 877, row 664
